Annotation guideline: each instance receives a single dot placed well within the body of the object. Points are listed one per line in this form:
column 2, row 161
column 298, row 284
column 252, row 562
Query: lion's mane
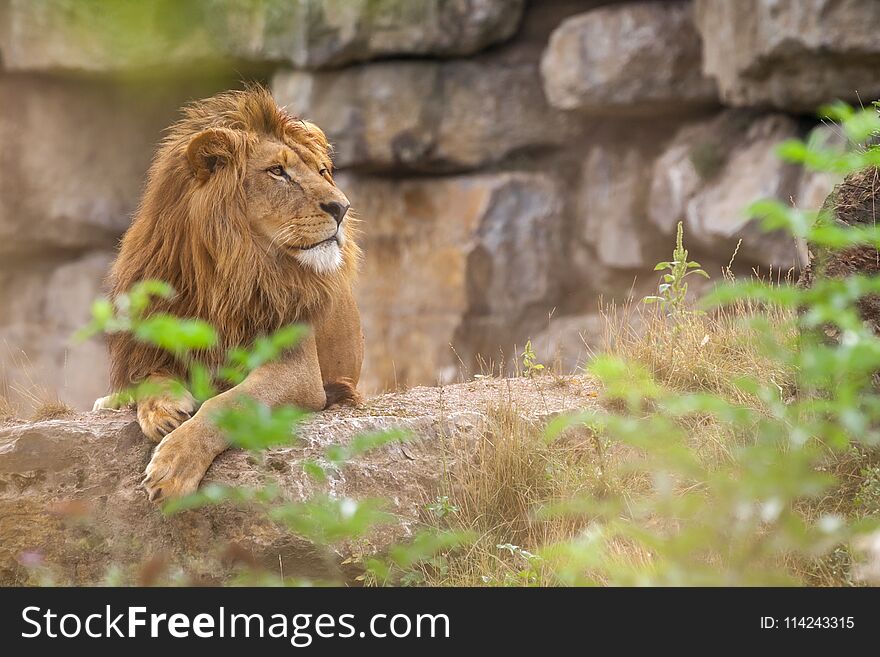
column 202, row 245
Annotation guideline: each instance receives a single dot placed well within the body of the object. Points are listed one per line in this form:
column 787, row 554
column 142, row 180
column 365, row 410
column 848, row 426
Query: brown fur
column 241, row 216
column 341, row 392
column 202, row 245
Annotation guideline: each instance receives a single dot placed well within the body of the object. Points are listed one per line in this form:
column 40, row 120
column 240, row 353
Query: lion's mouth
column 333, row 238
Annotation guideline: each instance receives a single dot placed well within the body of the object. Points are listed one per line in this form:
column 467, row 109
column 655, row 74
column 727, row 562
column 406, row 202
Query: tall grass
column 499, row 493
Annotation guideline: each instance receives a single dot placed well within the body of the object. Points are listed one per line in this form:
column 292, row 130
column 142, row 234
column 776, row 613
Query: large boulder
column 569, row 341
column 791, row 54
column 612, row 205
column 96, row 36
column 72, row 510
column 444, row 252
column 641, row 58
column 42, row 304
column 74, row 157
column 428, row 115
column 711, row 172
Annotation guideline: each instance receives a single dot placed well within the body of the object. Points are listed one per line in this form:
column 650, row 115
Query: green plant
column 672, row 292
column 530, row 363
column 442, row 507
column 527, row 568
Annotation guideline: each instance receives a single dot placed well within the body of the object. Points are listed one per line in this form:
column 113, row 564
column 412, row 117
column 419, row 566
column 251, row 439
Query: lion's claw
column 170, row 425
column 177, row 466
column 159, row 416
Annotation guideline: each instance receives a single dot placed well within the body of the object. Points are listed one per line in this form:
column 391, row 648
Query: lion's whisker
column 285, row 232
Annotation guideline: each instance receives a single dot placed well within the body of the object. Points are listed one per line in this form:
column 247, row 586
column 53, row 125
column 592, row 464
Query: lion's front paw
column 177, row 467
column 103, row 402
column 159, row 416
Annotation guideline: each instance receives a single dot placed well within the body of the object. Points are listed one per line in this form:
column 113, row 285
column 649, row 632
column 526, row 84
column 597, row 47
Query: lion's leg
column 340, row 343
column 184, row 455
column 162, row 412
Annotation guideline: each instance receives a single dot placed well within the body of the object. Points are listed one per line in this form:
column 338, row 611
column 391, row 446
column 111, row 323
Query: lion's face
column 291, row 202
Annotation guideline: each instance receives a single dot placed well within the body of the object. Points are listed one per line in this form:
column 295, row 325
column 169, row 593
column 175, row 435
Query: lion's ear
column 211, row 149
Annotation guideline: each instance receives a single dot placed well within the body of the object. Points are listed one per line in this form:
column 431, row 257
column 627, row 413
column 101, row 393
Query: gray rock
column 74, row 157
column 712, row 171
column 442, row 252
column 815, row 186
column 612, row 204
column 428, row 115
column 96, row 36
column 791, row 54
column 568, row 341
column 42, row 304
column 640, row 58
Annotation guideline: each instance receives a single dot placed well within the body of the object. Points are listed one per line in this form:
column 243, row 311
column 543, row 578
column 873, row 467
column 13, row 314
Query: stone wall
column 513, row 161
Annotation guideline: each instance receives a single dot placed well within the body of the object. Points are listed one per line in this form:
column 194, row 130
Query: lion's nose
column 335, row 210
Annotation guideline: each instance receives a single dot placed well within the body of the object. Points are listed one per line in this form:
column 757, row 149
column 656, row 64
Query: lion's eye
column 279, row 171
column 324, row 172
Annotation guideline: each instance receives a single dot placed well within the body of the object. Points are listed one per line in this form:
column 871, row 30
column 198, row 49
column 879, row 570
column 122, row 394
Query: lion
column 241, row 216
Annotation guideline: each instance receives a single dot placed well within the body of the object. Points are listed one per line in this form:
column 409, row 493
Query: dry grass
column 516, row 472
column 7, row 410
column 52, row 409
column 515, row 469
column 35, row 401
column 45, row 404
column 699, row 352
column 498, row 489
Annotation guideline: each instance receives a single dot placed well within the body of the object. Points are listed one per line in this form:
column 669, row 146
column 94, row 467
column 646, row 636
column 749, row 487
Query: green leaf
column 265, row 349
column 426, row 544
column 213, row 494
column 139, row 297
column 314, row 470
column 561, row 423
column 338, row 455
column 328, row 520
column 201, row 384
column 255, row 426
column 174, row 334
